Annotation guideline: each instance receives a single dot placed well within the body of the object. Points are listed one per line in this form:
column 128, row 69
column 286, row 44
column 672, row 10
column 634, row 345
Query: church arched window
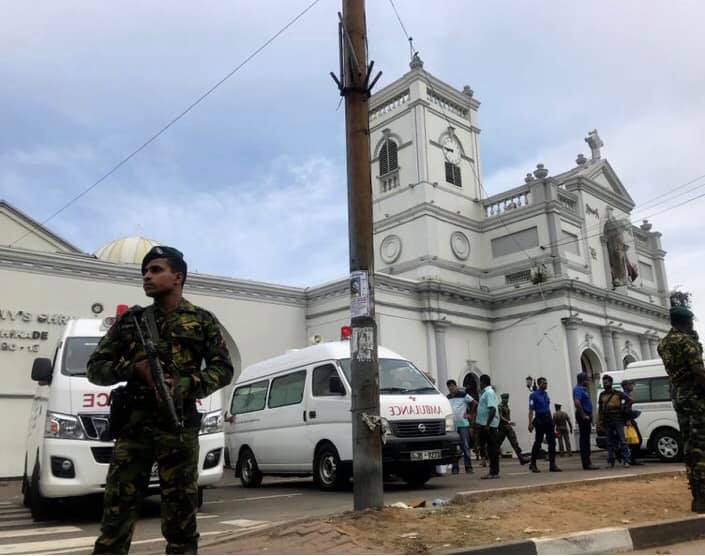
column 388, row 161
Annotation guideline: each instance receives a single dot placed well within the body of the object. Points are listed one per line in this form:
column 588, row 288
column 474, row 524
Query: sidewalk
column 474, row 519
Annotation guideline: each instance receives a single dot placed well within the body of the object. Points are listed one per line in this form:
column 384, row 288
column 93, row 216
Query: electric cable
column 173, row 120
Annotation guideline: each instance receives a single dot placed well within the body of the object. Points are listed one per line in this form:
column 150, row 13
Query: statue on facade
column 622, row 269
column 595, row 143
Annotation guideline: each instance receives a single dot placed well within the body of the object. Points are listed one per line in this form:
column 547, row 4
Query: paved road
column 693, row 547
column 232, row 507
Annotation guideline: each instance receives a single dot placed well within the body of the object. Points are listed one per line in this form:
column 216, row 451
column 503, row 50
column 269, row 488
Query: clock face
column 451, row 149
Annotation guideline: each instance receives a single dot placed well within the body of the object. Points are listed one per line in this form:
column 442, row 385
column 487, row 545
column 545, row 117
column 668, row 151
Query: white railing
column 568, row 202
column 512, row 201
column 389, row 181
column 446, row 104
column 389, row 106
column 518, row 277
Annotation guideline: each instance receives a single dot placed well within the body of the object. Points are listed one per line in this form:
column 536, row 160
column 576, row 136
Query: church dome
column 127, row 250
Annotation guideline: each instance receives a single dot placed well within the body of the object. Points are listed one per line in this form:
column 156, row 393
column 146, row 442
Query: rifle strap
column 151, row 323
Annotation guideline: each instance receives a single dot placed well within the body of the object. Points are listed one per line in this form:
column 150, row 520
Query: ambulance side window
column 287, row 389
column 249, row 398
column 660, row 390
column 321, row 380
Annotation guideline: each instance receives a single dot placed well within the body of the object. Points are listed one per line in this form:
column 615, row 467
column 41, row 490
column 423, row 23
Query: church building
column 548, row 278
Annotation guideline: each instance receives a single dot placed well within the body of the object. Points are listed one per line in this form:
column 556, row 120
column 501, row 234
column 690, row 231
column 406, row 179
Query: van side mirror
column 335, row 385
column 41, row 370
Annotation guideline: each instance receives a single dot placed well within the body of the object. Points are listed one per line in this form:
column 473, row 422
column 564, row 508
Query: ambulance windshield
column 397, row 376
column 76, row 354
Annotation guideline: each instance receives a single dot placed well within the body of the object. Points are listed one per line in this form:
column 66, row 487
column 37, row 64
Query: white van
column 290, row 415
column 65, row 455
column 658, row 422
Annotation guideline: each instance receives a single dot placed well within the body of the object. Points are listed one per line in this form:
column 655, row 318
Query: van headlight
column 450, row 423
column 212, row 422
column 59, row 425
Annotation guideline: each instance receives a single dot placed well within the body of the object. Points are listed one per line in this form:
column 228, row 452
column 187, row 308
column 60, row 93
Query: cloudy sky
column 251, row 183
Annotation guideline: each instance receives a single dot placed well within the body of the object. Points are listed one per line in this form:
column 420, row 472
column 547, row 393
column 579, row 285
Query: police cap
column 173, row 255
column 681, row 313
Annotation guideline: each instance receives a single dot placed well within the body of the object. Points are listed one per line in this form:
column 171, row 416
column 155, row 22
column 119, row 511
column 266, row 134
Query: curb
column 603, row 541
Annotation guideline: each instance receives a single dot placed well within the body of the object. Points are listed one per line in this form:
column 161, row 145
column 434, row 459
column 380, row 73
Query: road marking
column 46, row 546
column 254, row 498
column 16, row 523
column 206, row 516
column 245, row 523
column 38, row 531
column 15, row 515
column 92, row 539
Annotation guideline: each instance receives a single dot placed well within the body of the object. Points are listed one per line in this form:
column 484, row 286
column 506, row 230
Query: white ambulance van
column 290, row 415
column 658, row 422
column 65, row 455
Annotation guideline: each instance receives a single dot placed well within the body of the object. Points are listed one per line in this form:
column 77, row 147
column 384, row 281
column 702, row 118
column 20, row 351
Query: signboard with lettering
column 26, row 340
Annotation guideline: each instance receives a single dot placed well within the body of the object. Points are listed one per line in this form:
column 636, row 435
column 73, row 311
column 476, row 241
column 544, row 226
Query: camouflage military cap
column 681, row 312
column 159, row 252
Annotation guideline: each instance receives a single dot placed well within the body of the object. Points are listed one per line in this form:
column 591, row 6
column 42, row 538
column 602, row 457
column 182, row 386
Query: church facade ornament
column 460, row 245
column 390, row 249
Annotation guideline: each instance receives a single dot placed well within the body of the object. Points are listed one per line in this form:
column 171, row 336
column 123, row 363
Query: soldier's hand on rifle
column 144, row 373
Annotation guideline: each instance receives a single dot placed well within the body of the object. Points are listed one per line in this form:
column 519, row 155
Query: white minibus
column 66, row 454
column 290, row 415
column 658, row 422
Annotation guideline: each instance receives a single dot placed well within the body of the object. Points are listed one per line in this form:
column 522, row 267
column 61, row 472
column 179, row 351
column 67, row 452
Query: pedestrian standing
column 506, row 429
column 682, row 355
column 631, row 416
column 460, row 403
column 583, row 418
column 185, row 336
column 612, row 406
column 488, row 422
column 540, row 420
column 564, row 430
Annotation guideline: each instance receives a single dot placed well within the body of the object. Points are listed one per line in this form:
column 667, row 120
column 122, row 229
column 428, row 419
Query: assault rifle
column 155, row 367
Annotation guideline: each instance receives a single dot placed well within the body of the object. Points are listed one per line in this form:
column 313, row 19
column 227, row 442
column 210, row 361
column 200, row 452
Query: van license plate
column 425, row 455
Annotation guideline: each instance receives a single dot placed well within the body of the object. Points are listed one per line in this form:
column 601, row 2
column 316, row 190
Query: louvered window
column 453, row 174
column 388, row 157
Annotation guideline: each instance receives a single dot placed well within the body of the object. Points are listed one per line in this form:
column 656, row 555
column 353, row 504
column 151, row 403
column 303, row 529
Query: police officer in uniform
column 682, row 355
column 188, row 335
column 506, row 429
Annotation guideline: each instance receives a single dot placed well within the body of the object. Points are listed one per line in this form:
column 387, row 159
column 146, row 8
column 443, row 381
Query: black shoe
column 469, row 470
column 533, row 468
column 636, row 462
column 591, row 467
column 555, row 469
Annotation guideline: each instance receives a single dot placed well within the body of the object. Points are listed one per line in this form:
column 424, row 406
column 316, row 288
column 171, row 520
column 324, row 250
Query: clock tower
column 425, row 177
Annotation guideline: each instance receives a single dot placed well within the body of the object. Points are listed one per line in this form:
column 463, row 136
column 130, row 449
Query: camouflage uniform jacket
column 188, row 336
column 682, row 355
column 505, row 416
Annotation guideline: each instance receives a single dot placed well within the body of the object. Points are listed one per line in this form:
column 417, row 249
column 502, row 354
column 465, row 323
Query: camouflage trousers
column 138, row 447
column 692, row 426
column 508, row 434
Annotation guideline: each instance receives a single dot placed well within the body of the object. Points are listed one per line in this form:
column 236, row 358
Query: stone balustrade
column 505, row 202
column 390, row 105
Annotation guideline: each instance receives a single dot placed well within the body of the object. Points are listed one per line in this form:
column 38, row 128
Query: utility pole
column 354, row 85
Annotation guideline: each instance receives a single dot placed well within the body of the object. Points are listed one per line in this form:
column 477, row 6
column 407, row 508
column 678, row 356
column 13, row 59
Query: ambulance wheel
column 39, row 507
column 250, row 475
column 416, row 476
column 328, row 473
column 668, row 445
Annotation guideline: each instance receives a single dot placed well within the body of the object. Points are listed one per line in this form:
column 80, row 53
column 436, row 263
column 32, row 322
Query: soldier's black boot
column 698, row 504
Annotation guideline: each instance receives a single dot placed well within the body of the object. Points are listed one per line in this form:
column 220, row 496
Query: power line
column 174, row 120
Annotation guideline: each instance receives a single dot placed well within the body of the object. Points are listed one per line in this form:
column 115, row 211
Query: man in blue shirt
column 540, row 419
column 583, row 417
column 487, row 421
column 460, row 403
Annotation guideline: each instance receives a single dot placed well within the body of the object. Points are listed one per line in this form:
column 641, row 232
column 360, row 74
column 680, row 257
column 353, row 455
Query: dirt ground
column 491, row 518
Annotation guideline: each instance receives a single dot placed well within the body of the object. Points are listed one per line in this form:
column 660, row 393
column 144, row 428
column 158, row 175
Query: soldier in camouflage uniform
column 506, row 429
column 682, row 355
column 188, row 335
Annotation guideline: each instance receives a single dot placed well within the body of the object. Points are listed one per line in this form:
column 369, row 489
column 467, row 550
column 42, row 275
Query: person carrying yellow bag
column 632, row 435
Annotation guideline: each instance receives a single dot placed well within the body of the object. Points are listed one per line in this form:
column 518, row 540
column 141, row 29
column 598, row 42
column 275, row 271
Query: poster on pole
column 362, row 344
column 359, row 294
